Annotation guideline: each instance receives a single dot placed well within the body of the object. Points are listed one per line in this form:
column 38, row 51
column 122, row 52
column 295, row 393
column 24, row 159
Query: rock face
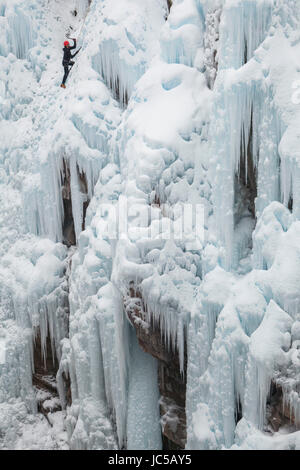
column 169, row 2
column 172, row 383
column 68, row 223
column 69, row 237
column 44, row 378
column 279, row 413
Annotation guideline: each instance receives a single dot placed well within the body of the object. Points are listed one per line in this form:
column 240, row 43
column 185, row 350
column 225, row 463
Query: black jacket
column 67, row 53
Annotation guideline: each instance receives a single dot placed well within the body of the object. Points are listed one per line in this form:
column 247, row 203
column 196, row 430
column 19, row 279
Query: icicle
column 244, row 26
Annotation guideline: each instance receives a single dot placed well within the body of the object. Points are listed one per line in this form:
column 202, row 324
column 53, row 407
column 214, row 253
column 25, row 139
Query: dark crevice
column 169, row 445
column 291, row 203
column 44, row 377
column 246, row 181
column 44, row 363
column 247, row 176
column 67, row 389
column 279, row 413
column 168, row 8
column 114, row 85
column 245, row 52
column 238, row 412
column 171, row 381
column 69, row 237
column 169, row 5
column 84, row 190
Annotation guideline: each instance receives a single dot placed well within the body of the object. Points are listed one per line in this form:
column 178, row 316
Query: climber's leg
column 66, row 68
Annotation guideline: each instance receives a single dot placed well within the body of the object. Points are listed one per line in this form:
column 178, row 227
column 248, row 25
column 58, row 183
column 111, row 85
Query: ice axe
column 76, row 52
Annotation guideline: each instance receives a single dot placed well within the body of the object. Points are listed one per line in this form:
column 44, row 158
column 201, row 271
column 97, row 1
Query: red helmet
column 66, row 43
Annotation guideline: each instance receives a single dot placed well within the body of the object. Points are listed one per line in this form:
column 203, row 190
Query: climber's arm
column 75, row 53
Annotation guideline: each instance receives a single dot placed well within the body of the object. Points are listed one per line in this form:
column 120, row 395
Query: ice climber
column 67, row 62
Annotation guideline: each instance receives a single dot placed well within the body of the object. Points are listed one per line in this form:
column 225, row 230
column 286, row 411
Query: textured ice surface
column 192, row 106
column 143, row 423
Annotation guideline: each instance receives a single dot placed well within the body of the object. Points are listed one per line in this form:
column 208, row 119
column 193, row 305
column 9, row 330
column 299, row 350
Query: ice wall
column 164, row 111
column 163, row 173
column 34, row 268
column 182, row 37
column 17, row 31
column 248, row 347
column 96, row 324
column 90, row 122
column 125, row 37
